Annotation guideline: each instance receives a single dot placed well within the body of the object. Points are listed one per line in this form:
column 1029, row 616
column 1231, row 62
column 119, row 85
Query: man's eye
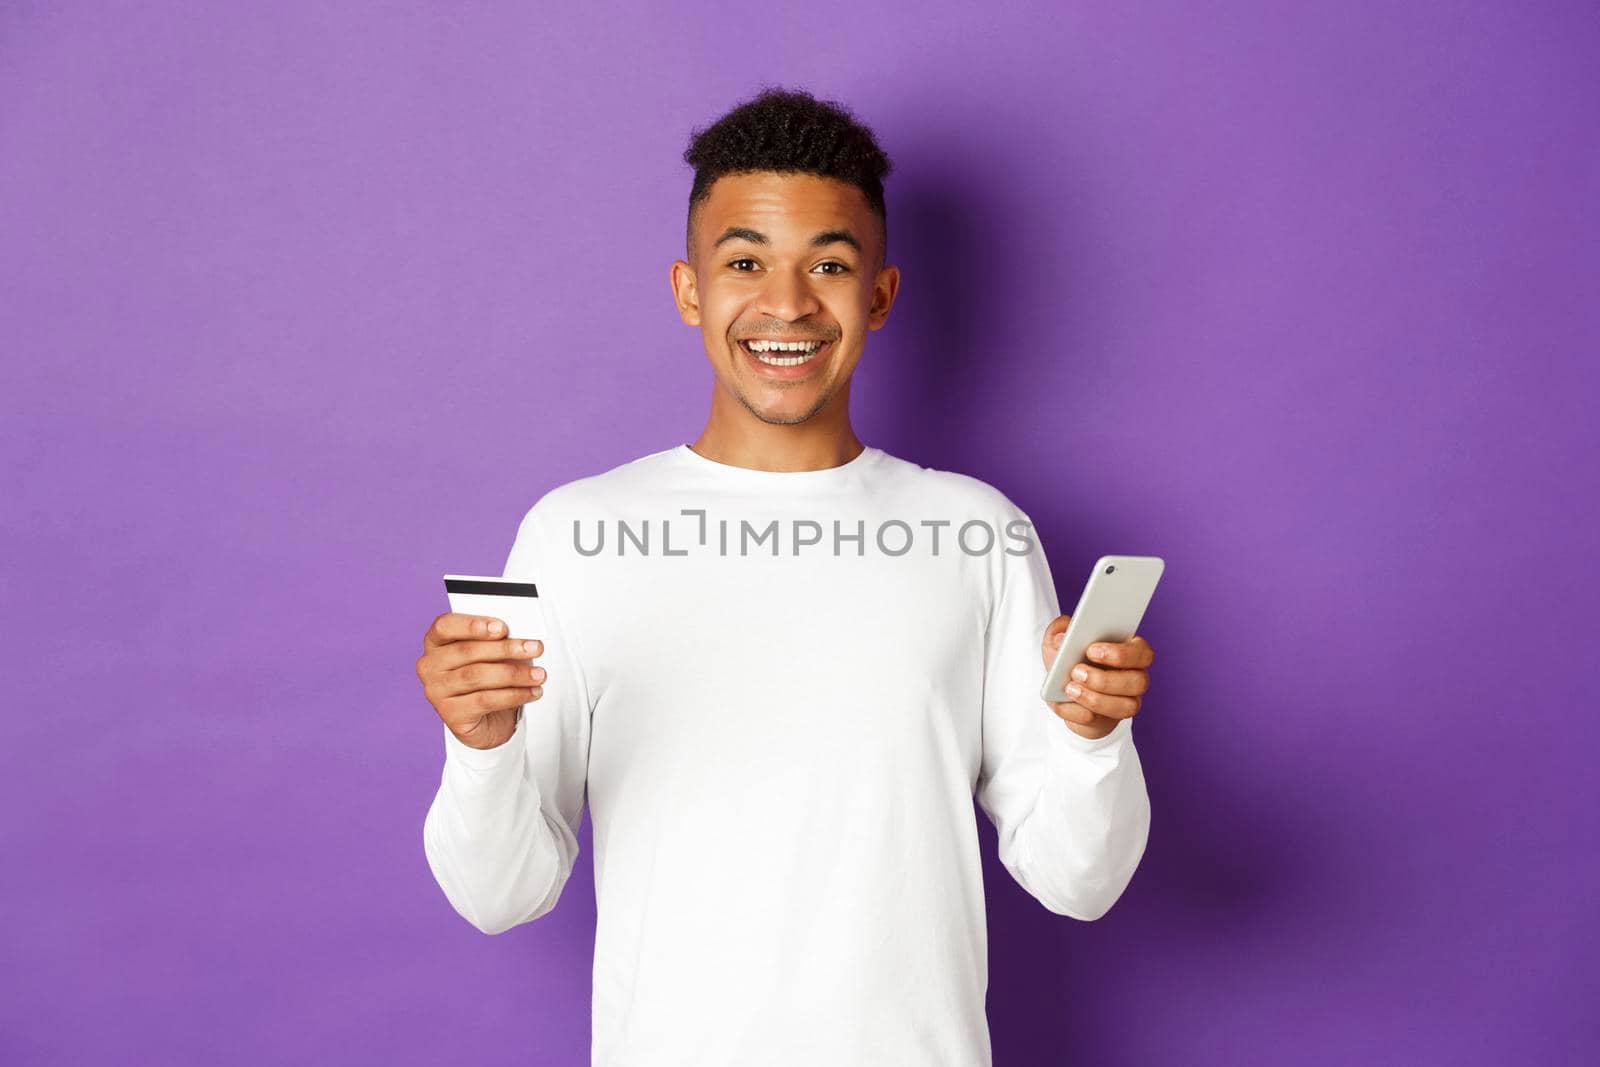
column 830, row 263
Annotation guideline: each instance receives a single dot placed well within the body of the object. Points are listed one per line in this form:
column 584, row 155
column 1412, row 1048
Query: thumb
column 1053, row 634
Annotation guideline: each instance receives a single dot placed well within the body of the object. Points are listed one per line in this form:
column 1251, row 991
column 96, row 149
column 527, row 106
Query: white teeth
column 784, row 361
column 783, row 346
column 805, row 351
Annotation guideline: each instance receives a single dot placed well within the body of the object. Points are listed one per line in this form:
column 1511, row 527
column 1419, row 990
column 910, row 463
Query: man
column 780, row 665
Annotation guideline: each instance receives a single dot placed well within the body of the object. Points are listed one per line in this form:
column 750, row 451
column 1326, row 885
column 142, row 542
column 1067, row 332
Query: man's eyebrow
column 756, row 237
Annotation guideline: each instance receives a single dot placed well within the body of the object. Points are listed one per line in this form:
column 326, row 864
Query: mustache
column 784, row 334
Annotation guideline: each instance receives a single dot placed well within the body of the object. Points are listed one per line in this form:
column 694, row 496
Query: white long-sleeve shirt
column 778, row 693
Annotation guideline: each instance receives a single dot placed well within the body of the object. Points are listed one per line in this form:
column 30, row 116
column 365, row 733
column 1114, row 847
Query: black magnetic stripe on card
column 464, row 585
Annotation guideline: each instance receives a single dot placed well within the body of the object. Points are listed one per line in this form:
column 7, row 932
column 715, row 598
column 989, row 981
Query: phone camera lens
column 1110, row 568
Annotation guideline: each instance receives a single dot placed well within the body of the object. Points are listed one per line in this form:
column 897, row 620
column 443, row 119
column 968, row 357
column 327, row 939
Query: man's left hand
column 1111, row 681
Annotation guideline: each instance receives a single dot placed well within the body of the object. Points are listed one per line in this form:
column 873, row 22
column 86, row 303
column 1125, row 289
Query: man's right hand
column 476, row 679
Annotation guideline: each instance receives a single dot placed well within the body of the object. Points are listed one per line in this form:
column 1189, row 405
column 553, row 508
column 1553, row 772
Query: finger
column 1101, row 724
column 1114, row 707
column 489, row 676
column 459, row 626
column 464, row 711
column 1054, row 633
column 1071, row 709
column 1105, row 680
column 1134, row 653
column 461, row 653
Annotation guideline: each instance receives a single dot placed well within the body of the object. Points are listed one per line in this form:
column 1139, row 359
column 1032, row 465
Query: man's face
column 784, row 257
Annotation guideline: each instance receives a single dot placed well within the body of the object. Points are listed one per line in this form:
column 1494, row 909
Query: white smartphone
column 515, row 603
column 1110, row 609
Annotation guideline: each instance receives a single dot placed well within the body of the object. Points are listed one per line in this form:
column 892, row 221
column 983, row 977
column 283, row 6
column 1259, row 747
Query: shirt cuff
column 1065, row 738
column 485, row 760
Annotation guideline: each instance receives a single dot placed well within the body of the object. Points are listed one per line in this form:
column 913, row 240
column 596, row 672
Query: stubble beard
column 783, row 420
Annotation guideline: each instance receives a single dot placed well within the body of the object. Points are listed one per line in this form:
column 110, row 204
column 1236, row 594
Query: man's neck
column 765, row 447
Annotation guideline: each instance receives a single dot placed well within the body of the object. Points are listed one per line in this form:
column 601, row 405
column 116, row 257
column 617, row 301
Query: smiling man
column 779, row 666
column 788, row 296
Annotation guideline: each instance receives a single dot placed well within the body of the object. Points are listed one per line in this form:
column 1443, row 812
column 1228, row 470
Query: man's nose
column 788, row 296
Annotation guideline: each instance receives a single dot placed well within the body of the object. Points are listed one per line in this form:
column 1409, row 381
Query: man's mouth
column 783, row 353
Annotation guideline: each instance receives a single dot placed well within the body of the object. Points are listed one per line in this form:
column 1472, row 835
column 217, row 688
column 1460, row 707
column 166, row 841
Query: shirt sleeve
column 1072, row 814
column 501, row 833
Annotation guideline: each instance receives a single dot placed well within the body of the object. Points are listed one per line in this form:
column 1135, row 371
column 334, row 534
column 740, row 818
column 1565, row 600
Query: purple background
column 303, row 307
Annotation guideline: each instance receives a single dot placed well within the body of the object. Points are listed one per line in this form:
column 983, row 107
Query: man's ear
column 884, row 288
column 686, row 292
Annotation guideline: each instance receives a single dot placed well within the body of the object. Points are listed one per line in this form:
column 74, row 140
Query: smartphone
column 515, row 603
column 1110, row 609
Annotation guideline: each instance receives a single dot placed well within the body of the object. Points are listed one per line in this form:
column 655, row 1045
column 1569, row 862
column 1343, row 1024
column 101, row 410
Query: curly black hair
column 789, row 131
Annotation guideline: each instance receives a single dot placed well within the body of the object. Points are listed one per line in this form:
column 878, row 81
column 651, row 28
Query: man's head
column 787, row 240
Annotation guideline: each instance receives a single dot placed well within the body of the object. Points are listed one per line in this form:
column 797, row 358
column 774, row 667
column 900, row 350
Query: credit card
column 515, row 603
